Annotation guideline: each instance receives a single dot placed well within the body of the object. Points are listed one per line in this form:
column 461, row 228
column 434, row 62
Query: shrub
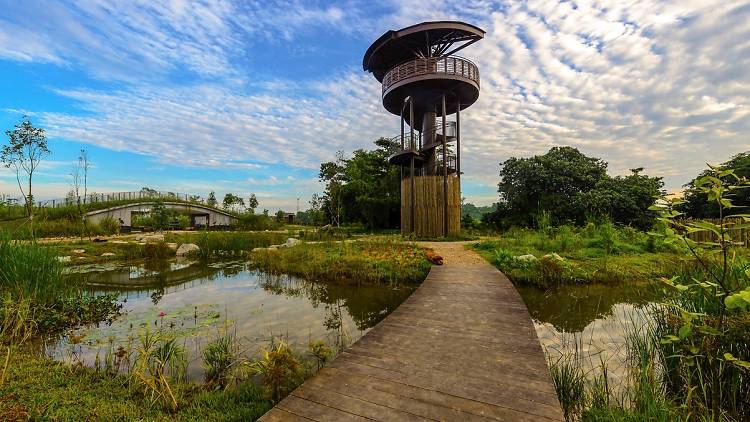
column 109, row 225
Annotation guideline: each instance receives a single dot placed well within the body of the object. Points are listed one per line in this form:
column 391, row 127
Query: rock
column 172, row 246
column 119, row 242
column 291, row 242
column 79, row 251
column 64, row 258
column 151, row 238
column 526, row 258
column 274, row 247
column 258, row 249
column 108, row 254
column 553, row 257
column 187, row 249
column 99, row 239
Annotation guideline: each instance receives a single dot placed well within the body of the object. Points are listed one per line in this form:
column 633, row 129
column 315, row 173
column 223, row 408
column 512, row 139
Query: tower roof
column 426, row 39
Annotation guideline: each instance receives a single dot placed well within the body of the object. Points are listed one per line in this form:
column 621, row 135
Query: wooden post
column 445, row 175
column 411, row 172
column 458, row 152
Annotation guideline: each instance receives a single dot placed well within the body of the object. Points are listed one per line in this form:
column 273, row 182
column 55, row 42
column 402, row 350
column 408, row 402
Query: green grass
column 365, row 262
column 592, row 254
column 213, row 244
column 40, row 388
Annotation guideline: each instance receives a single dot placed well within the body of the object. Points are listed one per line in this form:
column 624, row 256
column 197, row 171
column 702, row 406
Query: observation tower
column 424, row 83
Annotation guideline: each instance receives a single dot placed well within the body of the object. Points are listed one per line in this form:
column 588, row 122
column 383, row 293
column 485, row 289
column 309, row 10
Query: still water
column 591, row 321
column 198, row 301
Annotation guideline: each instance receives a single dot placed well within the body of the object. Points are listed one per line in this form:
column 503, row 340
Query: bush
column 109, row 225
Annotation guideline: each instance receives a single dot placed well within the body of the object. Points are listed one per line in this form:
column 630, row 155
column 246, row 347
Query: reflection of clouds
column 242, row 301
column 602, row 340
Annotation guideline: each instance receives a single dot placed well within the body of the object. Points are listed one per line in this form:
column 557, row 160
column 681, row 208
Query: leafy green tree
column 211, row 201
column 160, row 215
column 696, row 205
column 571, row 187
column 231, row 200
column 26, row 148
column 252, row 203
column 363, row 189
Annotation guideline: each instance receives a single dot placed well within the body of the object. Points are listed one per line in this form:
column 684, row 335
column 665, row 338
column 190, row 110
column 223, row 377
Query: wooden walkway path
column 462, row 347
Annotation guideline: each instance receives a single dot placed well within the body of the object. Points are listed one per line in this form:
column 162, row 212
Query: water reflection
column 196, row 300
column 591, row 321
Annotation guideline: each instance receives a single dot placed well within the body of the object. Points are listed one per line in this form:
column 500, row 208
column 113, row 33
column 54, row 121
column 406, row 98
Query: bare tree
column 80, row 175
column 27, row 147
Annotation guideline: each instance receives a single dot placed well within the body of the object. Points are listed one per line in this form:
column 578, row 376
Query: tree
column 159, row 215
column 27, row 147
column 211, row 201
column 363, row 189
column 80, row 175
column 697, row 205
column 571, row 187
column 280, row 216
column 231, row 200
column 252, row 203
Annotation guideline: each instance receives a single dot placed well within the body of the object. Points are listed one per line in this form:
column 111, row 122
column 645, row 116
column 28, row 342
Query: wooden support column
column 458, row 152
column 445, row 175
column 411, row 173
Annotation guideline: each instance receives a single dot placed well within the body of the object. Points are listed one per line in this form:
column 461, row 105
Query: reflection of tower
column 424, row 83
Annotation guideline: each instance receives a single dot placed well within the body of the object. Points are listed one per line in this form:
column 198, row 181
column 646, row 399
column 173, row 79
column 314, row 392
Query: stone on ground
column 188, row 249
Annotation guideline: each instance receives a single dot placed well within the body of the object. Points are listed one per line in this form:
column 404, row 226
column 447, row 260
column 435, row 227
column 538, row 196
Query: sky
column 250, row 97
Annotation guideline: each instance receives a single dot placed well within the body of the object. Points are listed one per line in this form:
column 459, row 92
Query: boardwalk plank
column 462, row 347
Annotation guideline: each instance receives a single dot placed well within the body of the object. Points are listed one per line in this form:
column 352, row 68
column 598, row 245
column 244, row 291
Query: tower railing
column 447, row 65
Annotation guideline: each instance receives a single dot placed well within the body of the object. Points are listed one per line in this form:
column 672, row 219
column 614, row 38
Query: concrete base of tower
column 429, row 207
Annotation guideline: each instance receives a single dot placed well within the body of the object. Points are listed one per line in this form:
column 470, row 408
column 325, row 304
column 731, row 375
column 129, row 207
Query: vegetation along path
column 461, row 347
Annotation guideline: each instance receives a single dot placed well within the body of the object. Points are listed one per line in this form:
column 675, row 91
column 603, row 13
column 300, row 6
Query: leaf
column 706, row 226
column 685, row 331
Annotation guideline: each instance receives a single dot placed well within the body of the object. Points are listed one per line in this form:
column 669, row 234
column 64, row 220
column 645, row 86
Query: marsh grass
column 586, row 391
column 213, row 244
column 366, row 262
column 591, row 254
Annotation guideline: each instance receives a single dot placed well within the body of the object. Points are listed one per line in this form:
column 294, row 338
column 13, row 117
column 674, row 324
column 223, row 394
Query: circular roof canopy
column 426, row 39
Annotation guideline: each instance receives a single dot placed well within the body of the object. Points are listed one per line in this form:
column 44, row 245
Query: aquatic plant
column 221, row 361
column 158, row 359
column 279, row 369
column 320, row 351
column 705, row 328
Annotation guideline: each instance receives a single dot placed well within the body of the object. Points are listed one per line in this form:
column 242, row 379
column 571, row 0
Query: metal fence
column 116, row 196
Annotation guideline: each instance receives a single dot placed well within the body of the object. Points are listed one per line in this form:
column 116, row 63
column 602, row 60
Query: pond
column 592, row 321
column 197, row 301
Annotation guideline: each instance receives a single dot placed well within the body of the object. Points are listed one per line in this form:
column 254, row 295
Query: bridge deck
column 461, row 347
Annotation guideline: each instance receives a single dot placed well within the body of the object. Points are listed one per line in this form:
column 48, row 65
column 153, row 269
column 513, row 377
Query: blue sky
column 249, row 97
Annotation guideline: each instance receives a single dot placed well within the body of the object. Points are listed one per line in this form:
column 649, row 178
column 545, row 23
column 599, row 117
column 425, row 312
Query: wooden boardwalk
column 462, row 347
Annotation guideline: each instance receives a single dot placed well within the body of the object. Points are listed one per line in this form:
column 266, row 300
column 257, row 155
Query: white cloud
column 662, row 85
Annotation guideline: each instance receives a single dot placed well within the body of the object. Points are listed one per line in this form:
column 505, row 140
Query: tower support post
column 411, row 173
column 445, row 173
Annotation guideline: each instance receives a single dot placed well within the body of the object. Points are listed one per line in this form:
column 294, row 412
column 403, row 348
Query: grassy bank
column 593, row 254
column 366, row 261
column 40, row 388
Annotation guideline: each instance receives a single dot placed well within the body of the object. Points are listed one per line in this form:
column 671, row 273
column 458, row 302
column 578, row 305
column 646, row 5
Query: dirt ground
column 454, row 252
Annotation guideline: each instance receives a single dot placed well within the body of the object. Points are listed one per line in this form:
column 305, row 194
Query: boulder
column 188, row 249
column 526, row 258
column 79, row 251
column 150, row 238
column 119, row 242
column 108, row 254
column 291, row 242
column 64, row 258
column 553, row 257
column 172, row 246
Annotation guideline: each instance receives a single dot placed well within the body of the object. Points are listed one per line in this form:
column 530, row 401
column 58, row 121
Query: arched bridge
column 200, row 215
